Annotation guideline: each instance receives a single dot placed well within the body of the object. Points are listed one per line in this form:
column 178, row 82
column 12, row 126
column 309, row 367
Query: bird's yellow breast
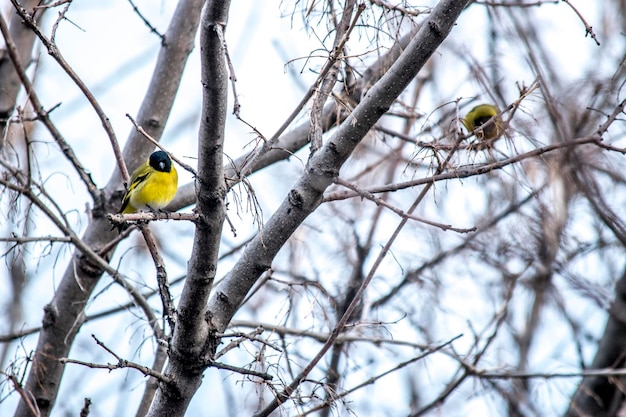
column 154, row 192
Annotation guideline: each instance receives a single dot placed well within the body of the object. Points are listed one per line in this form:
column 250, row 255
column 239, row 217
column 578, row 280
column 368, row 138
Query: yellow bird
column 478, row 116
column 152, row 185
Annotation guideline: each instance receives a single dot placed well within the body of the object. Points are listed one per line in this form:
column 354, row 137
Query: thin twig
column 121, row 364
column 322, row 336
column 588, row 29
column 401, row 213
column 158, row 145
column 243, row 371
column 465, row 172
column 42, row 115
column 54, row 52
column 240, row 338
column 375, row 378
column 169, row 311
column 147, row 23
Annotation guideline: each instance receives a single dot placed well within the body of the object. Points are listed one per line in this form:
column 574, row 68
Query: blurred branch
column 54, row 52
column 375, row 378
column 600, row 392
column 18, row 39
column 492, row 374
column 28, row 239
column 464, row 172
column 43, row 115
column 327, row 79
column 399, row 212
column 443, row 255
column 241, row 337
column 323, row 337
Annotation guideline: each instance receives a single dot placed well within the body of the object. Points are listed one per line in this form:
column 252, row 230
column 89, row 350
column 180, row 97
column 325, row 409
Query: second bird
column 152, row 185
column 480, row 115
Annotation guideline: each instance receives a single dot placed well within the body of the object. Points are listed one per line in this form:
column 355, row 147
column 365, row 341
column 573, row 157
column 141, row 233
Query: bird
column 152, row 185
column 480, row 115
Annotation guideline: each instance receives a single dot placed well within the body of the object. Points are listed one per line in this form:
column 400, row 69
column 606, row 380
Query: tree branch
column 193, row 343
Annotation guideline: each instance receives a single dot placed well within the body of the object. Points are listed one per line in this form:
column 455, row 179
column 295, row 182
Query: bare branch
column 148, row 24
column 465, row 172
column 121, row 364
column 56, row 54
column 169, row 312
column 42, row 114
column 374, row 379
column 399, row 212
column 588, row 29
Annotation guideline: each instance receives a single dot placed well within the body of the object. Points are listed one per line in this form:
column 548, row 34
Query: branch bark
column 193, row 344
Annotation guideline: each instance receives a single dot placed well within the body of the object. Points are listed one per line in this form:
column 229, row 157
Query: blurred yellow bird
column 480, row 115
column 152, row 185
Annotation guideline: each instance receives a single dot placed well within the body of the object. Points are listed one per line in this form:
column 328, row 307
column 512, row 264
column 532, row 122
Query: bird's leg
column 159, row 211
column 153, row 210
column 167, row 213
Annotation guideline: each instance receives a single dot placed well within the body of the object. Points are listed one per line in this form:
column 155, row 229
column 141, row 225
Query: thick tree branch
column 193, row 343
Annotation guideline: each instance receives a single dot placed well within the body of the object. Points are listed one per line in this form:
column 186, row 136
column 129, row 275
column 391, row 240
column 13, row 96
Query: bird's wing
column 137, row 178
